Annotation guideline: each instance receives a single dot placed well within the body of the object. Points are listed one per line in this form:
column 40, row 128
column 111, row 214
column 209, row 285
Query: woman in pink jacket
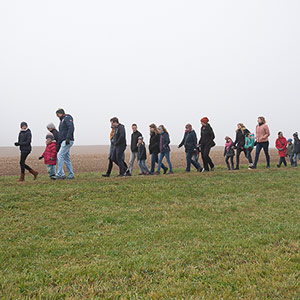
column 262, row 141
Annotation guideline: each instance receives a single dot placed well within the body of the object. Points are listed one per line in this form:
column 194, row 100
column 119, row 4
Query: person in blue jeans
column 190, row 144
column 66, row 140
column 164, row 149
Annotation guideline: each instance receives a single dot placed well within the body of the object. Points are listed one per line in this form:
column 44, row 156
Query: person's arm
column 277, row 144
column 267, row 132
column 194, row 136
column 182, row 142
column 225, row 151
column 70, row 125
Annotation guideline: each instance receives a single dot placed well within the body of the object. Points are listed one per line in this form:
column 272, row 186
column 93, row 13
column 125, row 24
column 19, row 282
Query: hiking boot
column 34, row 173
column 170, row 173
column 106, row 175
column 165, row 170
column 22, row 178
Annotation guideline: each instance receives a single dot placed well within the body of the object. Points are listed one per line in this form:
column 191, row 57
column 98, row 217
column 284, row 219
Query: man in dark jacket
column 133, row 147
column 296, row 148
column 119, row 145
column 66, row 141
column 51, row 128
column 189, row 142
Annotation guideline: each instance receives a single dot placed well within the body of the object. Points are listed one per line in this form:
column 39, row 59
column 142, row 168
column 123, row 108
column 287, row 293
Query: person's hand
column 67, row 142
column 41, row 157
column 17, row 144
column 280, row 149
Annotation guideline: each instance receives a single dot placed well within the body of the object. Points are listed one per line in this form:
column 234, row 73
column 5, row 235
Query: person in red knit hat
column 50, row 156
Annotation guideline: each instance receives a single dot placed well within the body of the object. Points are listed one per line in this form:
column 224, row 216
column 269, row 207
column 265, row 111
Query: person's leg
column 153, row 161
column 131, row 161
column 266, row 150
column 211, row 164
column 110, row 166
column 258, row 149
column 141, row 166
column 169, row 161
column 120, row 160
column 161, row 156
column 188, row 157
column 280, row 162
column 145, row 167
column 227, row 162
column 295, row 160
column 60, row 173
column 284, row 161
column 204, row 158
column 22, row 161
column 238, row 153
column 291, row 160
column 232, row 163
column 195, row 163
column 68, row 161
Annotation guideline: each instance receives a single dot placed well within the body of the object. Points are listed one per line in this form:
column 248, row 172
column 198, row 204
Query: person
column 189, row 142
column 52, row 129
column 154, row 148
column 133, row 147
column 229, row 153
column 164, row 149
column 119, row 146
column 142, row 156
column 50, row 156
column 281, row 145
column 290, row 151
column 24, row 142
column 249, row 145
column 239, row 144
column 296, row 148
column 262, row 141
column 206, row 142
column 66, row 141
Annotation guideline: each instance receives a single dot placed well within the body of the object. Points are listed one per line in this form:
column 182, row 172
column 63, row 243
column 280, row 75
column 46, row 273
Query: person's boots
column 34, row 173
column 22, row 177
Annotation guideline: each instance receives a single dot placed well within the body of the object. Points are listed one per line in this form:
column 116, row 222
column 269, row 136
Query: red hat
column 204, row 120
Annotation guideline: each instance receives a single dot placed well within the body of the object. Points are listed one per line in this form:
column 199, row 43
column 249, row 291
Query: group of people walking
column 59, row 143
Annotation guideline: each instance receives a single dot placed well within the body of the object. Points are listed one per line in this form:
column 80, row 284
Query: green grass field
column 224, row 235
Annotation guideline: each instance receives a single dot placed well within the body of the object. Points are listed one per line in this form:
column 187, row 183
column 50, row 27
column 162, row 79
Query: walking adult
column 239, row 144
column 296, row 150
column 262, row 141
column 110, row 161
column 133, row 147
column 189, row 142
column 206, row 142
column 154, row 148
column 66, row 141
column 119, row 145
column 24, row 142
column 281, row 145
column 51, row 128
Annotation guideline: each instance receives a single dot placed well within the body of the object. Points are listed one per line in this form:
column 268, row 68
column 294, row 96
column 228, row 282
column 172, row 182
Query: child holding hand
column 50, row 156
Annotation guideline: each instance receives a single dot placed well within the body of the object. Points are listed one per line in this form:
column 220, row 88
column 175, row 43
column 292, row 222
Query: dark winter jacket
column 229, row 151
column 56, row 137
column 142, row 155
column 296, row 145
column 134, row 141
column 189, row 141
column 154, row 143
column 119, row 138
column 24, row 141
column 290, row 150
column 164, row 142
column 240, row 138
column 66, row 129
column 207, row 136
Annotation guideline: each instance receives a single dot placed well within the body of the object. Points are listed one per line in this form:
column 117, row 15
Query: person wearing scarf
column 229, row 153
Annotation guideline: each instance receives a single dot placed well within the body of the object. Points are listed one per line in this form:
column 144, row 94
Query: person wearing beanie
column 229, row 153
column 50, row 156
column 206, row 142
column 189, row 142
column 290, row 151
column 24, row 142
column 52, row 129
column 66, row 141
column 142, row 156
column 296, row 148
column 281, row 145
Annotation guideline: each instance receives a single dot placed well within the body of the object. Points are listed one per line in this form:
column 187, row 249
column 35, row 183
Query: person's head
column 261, row 120
column 114, row 122
column 60, row 112
column 204, row 121
column 227, row 139
column 289, row 141
column 241, row 126
column 295, row 134
column 140, row 140
column 153, row 128
column 134, row 127
column 23, row 126
column 247, row 134
column 188, row 127
column 49, row 138
column 280, row 134
column 162, row 128
column 50, row 126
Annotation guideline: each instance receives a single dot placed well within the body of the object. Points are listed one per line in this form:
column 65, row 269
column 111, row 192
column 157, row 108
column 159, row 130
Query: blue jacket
column 164, row 142
column 24, row 141
column 66, row 129
column 189, row 141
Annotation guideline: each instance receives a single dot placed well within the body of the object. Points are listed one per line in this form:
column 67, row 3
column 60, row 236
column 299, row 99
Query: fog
column 167, row 62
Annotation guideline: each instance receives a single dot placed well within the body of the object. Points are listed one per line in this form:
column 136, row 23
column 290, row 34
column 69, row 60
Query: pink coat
column 281, row 143
column 262, row 133
column 49, row 153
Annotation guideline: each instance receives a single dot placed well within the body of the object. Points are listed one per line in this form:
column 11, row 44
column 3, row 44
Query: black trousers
column 205, row 157
column 110, row 166
column 239, row 150
column 282, row 160
column 118, row 158
column 231, row 162
column 22, row 162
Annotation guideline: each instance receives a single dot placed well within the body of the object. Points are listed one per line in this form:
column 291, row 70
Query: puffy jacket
column 164, row 142
column 119, row 138
column 189, row 141
column 24, row 141
column 281, row 144
column 50, row 154
column 240, row 138
column 154, row 143
column 296, row 145
column 207, row 136
column 134, row 141
column 142, row 155
column 66, row 129
column 229, row 151
column 262, row 133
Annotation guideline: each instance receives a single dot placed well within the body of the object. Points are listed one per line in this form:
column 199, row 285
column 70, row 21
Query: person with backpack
column 281, row 145
column 296, row 148
column 290, row 151
column 229, row 153
column 249, row 146
column 189, row 142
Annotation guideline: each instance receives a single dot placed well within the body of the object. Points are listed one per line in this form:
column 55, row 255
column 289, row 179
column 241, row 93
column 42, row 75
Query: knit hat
column 227, row 138
column 289, row 140
column 50, row 136
column 23, row 124
column 60, row 111
column 295, row 134
column 140, row 138
column 204, row 120
column 50, row 126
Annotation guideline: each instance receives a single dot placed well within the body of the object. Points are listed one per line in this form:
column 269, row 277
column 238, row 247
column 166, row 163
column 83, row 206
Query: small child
column 229, row 153
column 290, row 151
column 50, row 156
column 249, row 145
column 142, row 156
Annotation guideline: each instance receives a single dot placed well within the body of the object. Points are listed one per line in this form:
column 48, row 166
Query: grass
column 224, row 235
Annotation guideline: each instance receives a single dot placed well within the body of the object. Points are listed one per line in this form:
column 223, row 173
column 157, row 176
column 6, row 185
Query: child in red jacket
column 50, row 156
column 281, row 145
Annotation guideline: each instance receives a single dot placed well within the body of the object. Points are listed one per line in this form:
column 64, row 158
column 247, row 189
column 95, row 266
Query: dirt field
column 94, row 159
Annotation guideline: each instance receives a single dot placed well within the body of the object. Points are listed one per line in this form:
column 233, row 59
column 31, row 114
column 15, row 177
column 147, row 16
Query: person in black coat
column 296, row 150
column 142, row 156
column 24, row 142
column 239, row 144
column 154, row 148
column 206, row 143
column 51, row 128
column 133, row 147
column 189, row 142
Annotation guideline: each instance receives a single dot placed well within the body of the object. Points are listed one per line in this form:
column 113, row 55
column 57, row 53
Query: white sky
column 167, row 62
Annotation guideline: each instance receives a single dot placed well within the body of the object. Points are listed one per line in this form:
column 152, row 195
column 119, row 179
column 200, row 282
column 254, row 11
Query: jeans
column 143, row 167
column 118, row 158
column 282, row 160
column 205, row 157
column 239, row 150
column 291, row 157
column 161, row 157
column 154, row 159
column 133, row 156
column 265, row 146
column 295, row 159
column 63, row 156
column 22, row 162
column 51, row 170
column 191, row 159
column 231, row 162
column 248, row 155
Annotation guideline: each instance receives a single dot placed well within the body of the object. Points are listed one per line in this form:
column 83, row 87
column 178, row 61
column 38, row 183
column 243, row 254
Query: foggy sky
column 167, row 62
